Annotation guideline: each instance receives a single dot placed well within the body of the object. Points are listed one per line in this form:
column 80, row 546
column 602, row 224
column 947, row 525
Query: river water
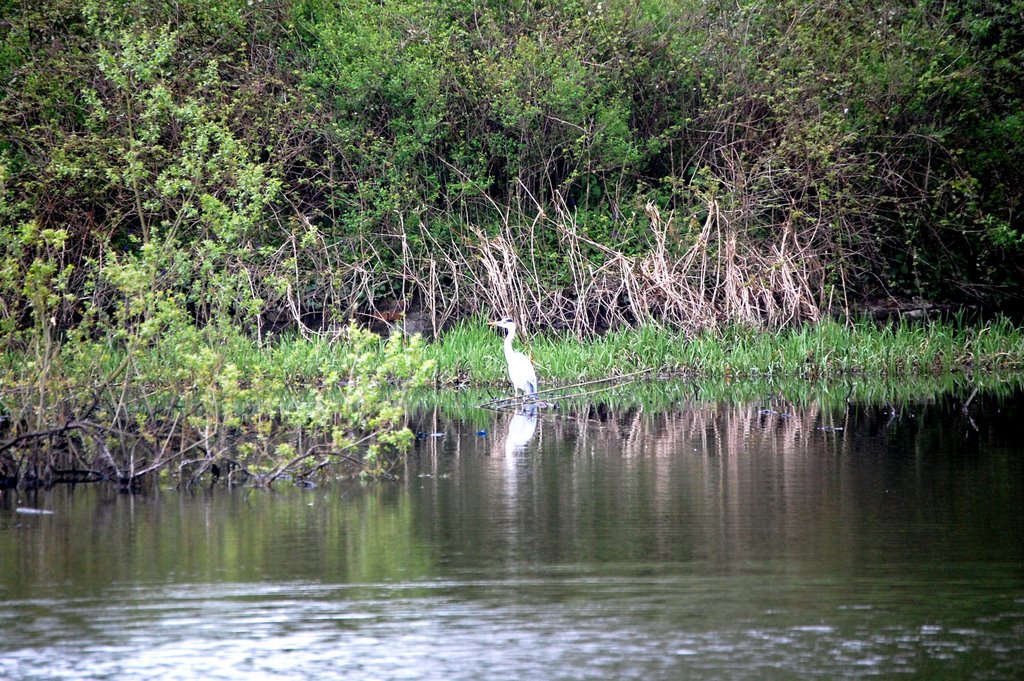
column 699, row 541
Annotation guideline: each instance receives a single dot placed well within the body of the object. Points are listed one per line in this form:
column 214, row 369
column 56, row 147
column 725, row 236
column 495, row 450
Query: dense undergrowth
column 199, row 404
column 581, row 165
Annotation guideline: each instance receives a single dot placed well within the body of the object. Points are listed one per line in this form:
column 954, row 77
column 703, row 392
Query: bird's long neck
column 508, row 341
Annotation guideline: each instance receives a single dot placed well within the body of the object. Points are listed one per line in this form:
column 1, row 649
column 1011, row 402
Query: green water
column 699, row 540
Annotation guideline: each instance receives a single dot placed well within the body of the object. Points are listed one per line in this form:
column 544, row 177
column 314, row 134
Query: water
column 706, row 541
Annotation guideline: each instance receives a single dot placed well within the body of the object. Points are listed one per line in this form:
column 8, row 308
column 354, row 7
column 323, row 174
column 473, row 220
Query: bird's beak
column 492, row 323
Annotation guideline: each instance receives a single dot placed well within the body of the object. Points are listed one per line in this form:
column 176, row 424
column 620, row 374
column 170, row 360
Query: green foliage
column 139, row 387
column 313, row 159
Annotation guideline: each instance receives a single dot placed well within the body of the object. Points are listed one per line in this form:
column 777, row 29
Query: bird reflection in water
column 521, row 428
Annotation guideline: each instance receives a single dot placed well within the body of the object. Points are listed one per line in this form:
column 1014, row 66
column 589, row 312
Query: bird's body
column 520, row 368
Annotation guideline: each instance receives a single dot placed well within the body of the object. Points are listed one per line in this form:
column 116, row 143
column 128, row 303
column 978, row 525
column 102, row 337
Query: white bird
column 520, row 368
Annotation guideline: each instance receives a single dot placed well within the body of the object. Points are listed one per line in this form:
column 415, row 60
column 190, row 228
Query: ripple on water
column 588, row 628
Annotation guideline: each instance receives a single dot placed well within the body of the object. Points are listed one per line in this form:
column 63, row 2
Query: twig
column 40, row 434
column 315, row 449
column 970, row 399
column 586, row 393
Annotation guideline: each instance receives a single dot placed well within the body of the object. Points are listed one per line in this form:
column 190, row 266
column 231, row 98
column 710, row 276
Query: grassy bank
column 471, row 352
column 203, row 403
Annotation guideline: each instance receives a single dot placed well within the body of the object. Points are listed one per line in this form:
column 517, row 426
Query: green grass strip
column 470, row 354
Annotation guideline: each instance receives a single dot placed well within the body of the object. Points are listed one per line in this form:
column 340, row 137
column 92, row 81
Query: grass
column 470, row 353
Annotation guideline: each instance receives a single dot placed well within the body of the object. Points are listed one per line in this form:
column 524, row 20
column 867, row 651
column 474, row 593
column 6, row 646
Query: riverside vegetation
column 197, row 196
column 205, row 403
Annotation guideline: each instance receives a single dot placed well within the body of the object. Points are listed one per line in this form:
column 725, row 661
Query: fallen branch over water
column 331, row 455
column 501, row 403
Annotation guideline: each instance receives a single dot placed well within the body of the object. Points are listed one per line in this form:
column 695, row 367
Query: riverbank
column 212, row 403
column 470, row 353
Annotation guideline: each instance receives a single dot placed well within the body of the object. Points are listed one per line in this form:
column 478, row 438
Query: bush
column 581, row 164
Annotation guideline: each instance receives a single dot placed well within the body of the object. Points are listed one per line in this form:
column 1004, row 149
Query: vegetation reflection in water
column 659, row 533
column 659, row 395
column 690, row 455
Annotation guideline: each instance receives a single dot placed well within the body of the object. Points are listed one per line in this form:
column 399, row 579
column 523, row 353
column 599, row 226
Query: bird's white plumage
column 520, row 368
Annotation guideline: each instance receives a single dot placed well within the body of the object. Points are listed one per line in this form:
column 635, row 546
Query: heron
column 520, row 368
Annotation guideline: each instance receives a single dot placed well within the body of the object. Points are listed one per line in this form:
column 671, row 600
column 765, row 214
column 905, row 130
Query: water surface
column 706, row 540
